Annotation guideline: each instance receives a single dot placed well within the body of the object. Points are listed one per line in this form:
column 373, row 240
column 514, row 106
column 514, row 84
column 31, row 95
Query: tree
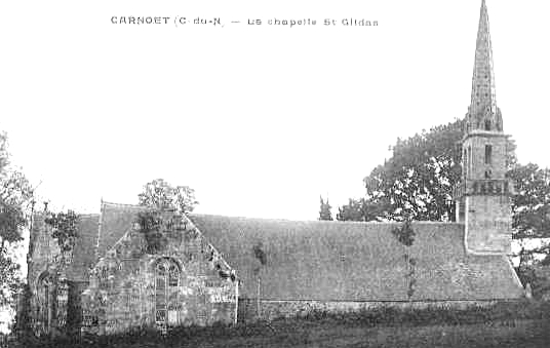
column 15, row 196
column 417, row 181
column 152, row 225
column 405, row 233
column 363, row 209
column 531, row 204
column 64, row 228
column 325, row 210
column 161, row 195
column 531, row 222
column 353, row 211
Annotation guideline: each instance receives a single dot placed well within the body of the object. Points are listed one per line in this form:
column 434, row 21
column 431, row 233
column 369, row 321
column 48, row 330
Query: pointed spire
column 483, row 107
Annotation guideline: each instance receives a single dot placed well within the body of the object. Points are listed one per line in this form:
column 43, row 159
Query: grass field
column 521, row 324
column 302, row 334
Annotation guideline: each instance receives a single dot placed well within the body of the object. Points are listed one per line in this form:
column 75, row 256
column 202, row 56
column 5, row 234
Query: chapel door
column 45, row 289
column 167, row 276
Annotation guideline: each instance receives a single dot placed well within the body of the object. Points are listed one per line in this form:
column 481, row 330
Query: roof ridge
column 89, row 214
column 121, row 204
column 328, row 222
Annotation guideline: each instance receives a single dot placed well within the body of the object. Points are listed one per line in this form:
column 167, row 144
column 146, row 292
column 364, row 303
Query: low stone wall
column 269, row 310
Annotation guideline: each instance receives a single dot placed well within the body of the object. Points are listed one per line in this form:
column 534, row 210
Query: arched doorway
column 167, row 281
column 46, row 301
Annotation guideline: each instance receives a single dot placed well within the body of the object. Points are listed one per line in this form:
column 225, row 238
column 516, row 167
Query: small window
column 488, row 154
column 488, row 125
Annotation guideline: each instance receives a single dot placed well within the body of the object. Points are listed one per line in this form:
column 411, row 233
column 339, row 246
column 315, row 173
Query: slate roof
column 97, row 233
column 327, row 261
column 116, row 220
column 84, row 250
column 353, row 261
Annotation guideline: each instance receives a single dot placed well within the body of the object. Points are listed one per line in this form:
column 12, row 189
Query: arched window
column 167, row 281
column 46, row 300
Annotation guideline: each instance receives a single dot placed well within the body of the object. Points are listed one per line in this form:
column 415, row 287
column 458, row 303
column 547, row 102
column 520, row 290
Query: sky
column 259, row 120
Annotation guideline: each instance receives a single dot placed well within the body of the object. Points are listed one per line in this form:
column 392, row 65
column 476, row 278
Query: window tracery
column 167, row 281
column 45, row 291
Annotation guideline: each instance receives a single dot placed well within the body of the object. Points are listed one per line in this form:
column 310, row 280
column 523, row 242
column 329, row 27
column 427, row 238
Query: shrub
column 405, row 233
column 151, row 224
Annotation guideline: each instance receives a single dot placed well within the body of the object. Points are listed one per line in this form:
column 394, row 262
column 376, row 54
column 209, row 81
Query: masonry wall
column 270, row 310
column 489, row 224
column 498, row 157
column 46, row 263
column 124, row 292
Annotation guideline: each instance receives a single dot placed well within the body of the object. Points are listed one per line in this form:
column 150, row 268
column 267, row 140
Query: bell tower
column 483, row 196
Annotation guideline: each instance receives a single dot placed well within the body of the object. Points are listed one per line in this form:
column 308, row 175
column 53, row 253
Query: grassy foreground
column 517, row 325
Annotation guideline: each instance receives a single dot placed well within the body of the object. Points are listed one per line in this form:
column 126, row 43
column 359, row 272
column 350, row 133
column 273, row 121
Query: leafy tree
column 353, row 211
column 161, row 195
column 64, row 228
column 531, row 204
column 325, row 210
column 152, row 226
column 15, row 196
column 531, row 221
column 363, row 209
column 405, row 233
column 417, row 181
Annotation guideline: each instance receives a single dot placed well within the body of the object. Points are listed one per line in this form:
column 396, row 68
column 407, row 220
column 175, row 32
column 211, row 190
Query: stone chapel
column 208, row 269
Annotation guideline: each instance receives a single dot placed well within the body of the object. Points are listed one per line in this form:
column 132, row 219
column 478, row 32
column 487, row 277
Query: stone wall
column 497, row 166
column 487, row 190
column 47, row 264
column 128, row 292
column 488, row 226
column 269, row 310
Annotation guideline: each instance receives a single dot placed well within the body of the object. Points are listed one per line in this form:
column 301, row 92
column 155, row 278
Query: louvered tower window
column 488, row 154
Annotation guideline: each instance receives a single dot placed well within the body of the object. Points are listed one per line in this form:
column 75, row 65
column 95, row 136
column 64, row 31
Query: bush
column 405, row 233
column 430, row 315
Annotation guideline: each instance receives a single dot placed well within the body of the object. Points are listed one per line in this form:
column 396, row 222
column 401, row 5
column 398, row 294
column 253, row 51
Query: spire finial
column 483, row 108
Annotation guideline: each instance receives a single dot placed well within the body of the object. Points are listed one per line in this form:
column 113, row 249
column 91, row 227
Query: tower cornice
column 484, row 134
